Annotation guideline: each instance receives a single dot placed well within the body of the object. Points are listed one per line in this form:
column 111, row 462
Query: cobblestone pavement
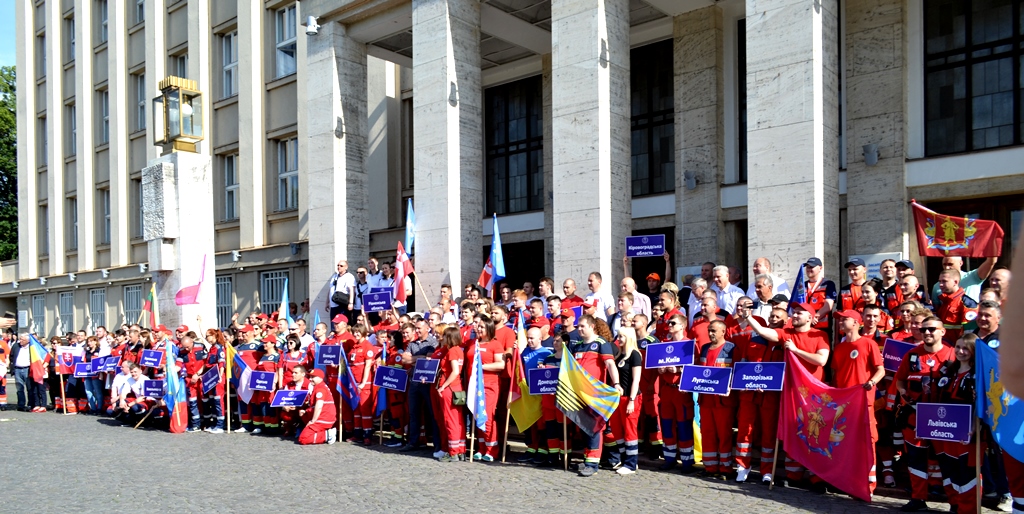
column 56, row 463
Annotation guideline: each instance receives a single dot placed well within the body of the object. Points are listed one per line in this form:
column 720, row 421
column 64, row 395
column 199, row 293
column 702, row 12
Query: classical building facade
column 781, row 128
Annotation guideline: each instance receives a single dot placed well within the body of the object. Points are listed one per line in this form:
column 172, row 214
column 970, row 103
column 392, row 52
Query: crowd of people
column 836, row 333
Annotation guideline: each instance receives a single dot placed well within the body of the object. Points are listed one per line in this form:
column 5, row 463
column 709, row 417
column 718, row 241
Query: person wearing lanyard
column 449, row 380
column 627, row 415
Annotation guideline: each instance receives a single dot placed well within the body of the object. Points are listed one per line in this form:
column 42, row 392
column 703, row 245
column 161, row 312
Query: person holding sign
column 758, row 411
column 319, row 427
column 93, row 383
column 449, row 415
column 958, row 459
column 296, row 381
column 360, row 364
column 717, row 412
column 265, row 416
column 193, row 362
column 627, row 415
column 532, row 356
column 216, row 357
column 675, row 408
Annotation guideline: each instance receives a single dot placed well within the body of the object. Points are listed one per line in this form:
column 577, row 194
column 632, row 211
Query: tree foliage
column 8, row 164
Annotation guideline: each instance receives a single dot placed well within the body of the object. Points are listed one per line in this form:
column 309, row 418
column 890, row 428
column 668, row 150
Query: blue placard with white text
column 425, row 371
column 151, row 358
column 83, row 370
column 153, row 388
column 944, row 422
column 893, row 352
column 758, row 376
column 262, row 380
column 210, row 379
column 672, row 353
column 111, row 363
column 288, row 398
column 652, row 245
column 377, row 302
column 329, row 355
column 391, row 378
column 705, row 380
column 542, row 380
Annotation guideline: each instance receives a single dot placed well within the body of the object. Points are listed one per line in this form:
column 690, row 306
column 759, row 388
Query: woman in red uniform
column 292, row 357
column 216, row 356
column 265, row 415
column 492, row 357
column 957, row 460
column 449, row 373
column 360, row 364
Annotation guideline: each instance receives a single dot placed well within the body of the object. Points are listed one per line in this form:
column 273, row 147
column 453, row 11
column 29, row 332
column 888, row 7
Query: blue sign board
column 705, row 379
column 944, row 422
column 289, row 398
column 210, row 379
column 262, row 380
column 376, row 302
column 111, row 363
column 758, row 376
column 893, row 352
column 329, row 355
column 425, row 371
column 672, row 353
column 151, row 358
column 153, row 388
column 542, row 380
column 83, row 370
column 391, row 378
column 645, row 246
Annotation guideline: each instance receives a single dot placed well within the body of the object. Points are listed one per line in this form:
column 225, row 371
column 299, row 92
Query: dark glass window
column 515, row 146
column 973, row 54
column 741, row 98
column 651, row 119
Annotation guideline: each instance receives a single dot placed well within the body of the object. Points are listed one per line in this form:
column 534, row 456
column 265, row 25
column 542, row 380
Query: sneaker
column 332, row 436
column 215, row 430
column 588, row 471
column 625, row 471
column 193, row 430
column 1005, row 504
column 766, row 478
column 240, row 430
column 487, row 458
column 394, row 443
column 257, row 431
column 741, row 474
column 439, row 453
column 615, row 466
column 914, row 506
column 525, row 458
column 478, row 456
column 409, row 448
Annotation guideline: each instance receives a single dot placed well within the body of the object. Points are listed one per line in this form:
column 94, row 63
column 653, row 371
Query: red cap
column 270, row 339
column 262, row 316
column 340, row 318
column 318, row 373
column 162, row 328
column 271, row 324
column 274, row 315
column 849, row 314
column 183, row 328
column 654, row 276
column 805, row 306
column 568, row 312
column 590, row 302
column 246, row 328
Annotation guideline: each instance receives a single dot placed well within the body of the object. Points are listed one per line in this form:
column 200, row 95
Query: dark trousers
column 419, row 406
column 36, row 394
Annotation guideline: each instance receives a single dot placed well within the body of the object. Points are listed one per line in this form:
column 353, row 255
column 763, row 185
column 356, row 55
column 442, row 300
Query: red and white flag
column 486, row 279
column 403, row 268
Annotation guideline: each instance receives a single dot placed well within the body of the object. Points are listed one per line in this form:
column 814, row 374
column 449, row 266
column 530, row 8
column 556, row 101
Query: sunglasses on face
column 929, row 330
column 672, row 323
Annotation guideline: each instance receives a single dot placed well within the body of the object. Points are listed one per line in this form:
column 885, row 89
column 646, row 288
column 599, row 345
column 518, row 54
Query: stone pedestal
column 177, row 206
column 591, row 138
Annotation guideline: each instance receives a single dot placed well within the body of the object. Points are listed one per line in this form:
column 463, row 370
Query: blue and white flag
column 798, row 293
column 996, row 407
column 494, row 268
column 476, row 397
column 285, row 312
column 410, row 228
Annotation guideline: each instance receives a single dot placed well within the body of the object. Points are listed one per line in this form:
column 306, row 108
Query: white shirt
column 727, row 299
column 604, row 301
column 343, row 283
column 24, row 358
column 118, row 384
column 641, row 304
column 376, row 280
column 692, row 307
column 779, row 286
column 305, row 340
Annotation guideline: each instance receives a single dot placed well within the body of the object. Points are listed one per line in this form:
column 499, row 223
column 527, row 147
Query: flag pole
column 977, row 463
column 565, row 443
column 419, row 286
column 381, row 430
column 775, row 460
column 508, row 411
column 472, row 438
column 63, row 399
column 144, row 418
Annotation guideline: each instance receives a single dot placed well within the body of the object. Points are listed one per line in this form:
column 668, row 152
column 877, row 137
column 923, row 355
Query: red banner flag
column 827, row 429
column 403, row 268
column 939, row 235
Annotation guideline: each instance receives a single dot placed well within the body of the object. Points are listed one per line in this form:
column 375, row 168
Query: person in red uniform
column 717, row 413
column 884, row 451
column 265, row 416
column 570, row 300
column 851, row 295
column 810, row 346
column 397, row 411
column 709, row 312
column 596, row 356
column 492, row 358
column 537, row 318
column 651, row 427
column 624, row 421
column 193, row 360
column 957, row 460
column 953, row 307
column 361, row 359
column 858, row 362
column 669, row 303
column 250, row 351
column 216, row 357
column 449, row 381
column 291, row 357
column 506, row 338
column 917, row 382
column 758, row 411
column 296, row 381
column 321, row 416
column 675, row 408
column 340, row 338
column 821, row 295
column 552, row 418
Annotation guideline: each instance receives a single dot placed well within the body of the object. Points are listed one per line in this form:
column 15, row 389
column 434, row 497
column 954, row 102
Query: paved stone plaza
column 55, row 463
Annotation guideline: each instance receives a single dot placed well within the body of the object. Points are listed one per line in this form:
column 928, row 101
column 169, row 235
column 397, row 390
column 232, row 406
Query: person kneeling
column 319, row 428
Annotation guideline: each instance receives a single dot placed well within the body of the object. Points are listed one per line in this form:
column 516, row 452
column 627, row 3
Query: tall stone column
column 590, row 137
column 447, row 142
column 335, row 156
column 179, row 234
column 700, row 134
column 792, row 133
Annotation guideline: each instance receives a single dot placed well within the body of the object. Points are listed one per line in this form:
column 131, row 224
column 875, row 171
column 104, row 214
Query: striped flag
column 476, row 397
column 588, row 402
column 37, row 359
column 149, row 307
column 243, row 373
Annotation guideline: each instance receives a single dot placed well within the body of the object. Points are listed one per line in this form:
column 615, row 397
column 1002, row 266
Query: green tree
column 8, row 164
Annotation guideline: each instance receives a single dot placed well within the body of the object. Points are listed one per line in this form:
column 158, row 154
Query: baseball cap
column 162, row 328
column 813, row 261
column 246, row 328
column 654, row 276
column 805, row 306
column 271, row 324
column 906, row 264
column 183, row 328
column 856, row 261
column 318, row 373
column 849, row 313
column 590, row 302
column 779, row 298
column 569, row 313
column 271, row 338
column 340, row 318
column 262, row 316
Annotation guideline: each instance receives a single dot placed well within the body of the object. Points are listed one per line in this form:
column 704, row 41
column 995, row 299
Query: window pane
column 515, row 139
column 652, row 137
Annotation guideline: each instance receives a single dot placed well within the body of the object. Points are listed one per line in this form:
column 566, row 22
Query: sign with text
column 425, row 371
column 758, row 376
column 111, row 363
column 83, row 370
column 893, row 352
column 652, row 245
column 151, row 358
column 542, row 380
column 289, row 398
column 153, row 388
column 705, row 380
column 376, row 302
column 944, row 422
column 672, row 353
column 329, row 355
column 391, row 378
column 210, row 379
column 262, row 380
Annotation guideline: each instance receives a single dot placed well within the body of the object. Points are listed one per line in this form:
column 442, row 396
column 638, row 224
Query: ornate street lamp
column 178, row 115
